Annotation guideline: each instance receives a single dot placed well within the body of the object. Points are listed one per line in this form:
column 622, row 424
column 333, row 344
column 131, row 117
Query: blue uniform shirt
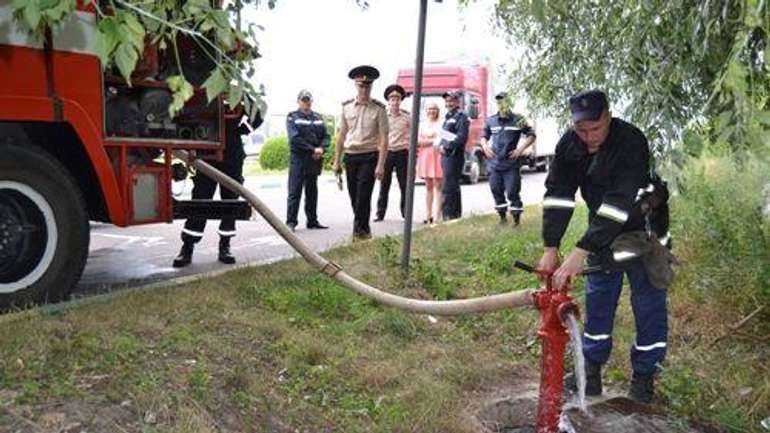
column 457, row 123
column 505, row 133
column 306, row 132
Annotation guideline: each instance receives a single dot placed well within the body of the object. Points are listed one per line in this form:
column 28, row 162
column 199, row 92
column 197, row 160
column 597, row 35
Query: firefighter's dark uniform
column 610, row 181
column 204, row 188
column 505, row 173
column 306, row 133
column 452, row 161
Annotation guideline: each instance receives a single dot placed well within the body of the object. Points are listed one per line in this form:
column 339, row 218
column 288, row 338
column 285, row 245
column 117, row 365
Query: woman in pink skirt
column 429, row 161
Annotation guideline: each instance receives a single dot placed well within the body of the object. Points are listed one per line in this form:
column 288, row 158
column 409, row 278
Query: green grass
column 281, row 347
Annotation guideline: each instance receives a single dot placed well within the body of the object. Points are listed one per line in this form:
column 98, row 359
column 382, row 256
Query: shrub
column 275, row 154
column 720, row 233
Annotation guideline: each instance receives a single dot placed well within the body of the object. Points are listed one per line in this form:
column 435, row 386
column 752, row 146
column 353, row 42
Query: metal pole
column 407, row 244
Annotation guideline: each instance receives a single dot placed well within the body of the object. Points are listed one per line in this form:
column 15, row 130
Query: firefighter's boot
column 225, row 256
column 516, row 218
column 185, row 255
column 642, row 388
column 503, row 219
column 593, row 380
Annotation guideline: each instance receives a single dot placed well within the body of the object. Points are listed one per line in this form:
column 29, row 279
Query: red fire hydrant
column 553, row 304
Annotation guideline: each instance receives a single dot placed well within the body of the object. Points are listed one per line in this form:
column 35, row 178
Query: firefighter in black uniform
column 608, row 159
column 204, row 188
column 500, row 143
column 308, row 140
column 454, row 136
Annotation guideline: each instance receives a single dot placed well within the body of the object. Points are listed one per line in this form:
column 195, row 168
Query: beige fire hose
column 482, row 304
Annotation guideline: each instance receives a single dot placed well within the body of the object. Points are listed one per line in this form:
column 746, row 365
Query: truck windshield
column 424, row 101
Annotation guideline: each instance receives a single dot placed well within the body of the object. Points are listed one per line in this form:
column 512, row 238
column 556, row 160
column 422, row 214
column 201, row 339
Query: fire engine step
column 212, row 209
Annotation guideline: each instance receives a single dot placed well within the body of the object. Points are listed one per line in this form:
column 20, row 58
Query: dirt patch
column 516, row 413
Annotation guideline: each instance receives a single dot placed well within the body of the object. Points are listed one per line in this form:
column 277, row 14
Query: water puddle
column 614, row 415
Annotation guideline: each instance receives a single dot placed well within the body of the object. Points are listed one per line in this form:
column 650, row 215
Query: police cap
column 501, row 95
column 394, row 88
column 364, row 73
column 455, row 94
column 588, row 105
column 305, row 95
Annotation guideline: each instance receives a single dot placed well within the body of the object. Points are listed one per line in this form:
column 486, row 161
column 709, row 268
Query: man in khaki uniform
column 399, row 126
column 363, row 137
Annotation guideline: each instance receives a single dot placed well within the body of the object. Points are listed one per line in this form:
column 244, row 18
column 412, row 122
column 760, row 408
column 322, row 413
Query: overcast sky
column 313, row 44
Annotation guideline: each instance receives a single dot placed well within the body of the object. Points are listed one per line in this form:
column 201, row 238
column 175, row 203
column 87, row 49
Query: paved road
column 122, row 257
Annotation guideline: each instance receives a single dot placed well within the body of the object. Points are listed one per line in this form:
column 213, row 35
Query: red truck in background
column 478, row 102
column 79, row 144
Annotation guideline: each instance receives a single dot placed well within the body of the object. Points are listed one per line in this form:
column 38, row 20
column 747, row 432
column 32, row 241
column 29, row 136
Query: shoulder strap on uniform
column 404, row 111
column 378, row 103
column 348, row 101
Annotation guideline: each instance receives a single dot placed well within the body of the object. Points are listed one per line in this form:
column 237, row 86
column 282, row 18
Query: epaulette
column 378, row 103
column 348, row 101
column 404, row 111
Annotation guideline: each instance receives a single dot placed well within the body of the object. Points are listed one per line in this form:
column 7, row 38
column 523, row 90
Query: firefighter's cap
column 588, row 105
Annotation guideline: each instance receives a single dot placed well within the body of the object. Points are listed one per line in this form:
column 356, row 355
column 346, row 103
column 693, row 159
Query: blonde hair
column 432, row 105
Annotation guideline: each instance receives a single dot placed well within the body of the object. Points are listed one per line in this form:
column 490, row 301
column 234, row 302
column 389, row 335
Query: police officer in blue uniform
column 205, row 187
column 452, row 151
column 500, row 143
column 608, row 159
column 308, row 141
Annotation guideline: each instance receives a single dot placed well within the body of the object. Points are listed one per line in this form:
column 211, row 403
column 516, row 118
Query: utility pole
column 407, row 243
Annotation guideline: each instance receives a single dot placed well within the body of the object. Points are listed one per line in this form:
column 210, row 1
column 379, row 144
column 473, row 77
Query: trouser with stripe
column 650, row 315
column 203, row 189
column 506, row 184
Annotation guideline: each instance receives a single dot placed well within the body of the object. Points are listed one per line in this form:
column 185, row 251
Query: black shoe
column 593, row 380
column 316, row 226
column 225, row 256
column 428, row 221
column 379, row 218
column 185, row 255
column 292, row 226
column 642, row 388
column 516, row 219
column 503, row 219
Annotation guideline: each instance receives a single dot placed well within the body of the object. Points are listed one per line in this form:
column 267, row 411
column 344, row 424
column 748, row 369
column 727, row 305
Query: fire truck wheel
column 44, row 230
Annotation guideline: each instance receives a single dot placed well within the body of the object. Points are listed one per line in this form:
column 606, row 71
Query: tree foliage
column 671, row 66
column 125, row 25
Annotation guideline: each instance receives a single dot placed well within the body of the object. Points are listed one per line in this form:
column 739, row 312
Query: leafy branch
column 126, row 25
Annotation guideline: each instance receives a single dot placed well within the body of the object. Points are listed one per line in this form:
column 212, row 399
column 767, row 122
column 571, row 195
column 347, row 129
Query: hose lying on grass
column 482, row 304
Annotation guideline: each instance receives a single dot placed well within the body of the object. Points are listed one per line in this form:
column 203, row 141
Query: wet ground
column 614, row 414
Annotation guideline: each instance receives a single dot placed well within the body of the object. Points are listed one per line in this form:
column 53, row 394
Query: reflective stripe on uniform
column 512, row 128
column 623, row 255
column 193, row 233
column 552, row 202
column 612, row 212
column 664, row 240
column 501, row 206
column 303, row 122
column 226, row 233
column 598, row 337
column 318, row 122
column 516, row 208
column 659, row 345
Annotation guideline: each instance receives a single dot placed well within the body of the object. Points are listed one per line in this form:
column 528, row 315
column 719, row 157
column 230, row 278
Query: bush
column 275, row 154
column 720, row 233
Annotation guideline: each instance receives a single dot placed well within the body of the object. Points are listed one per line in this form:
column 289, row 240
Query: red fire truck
column 476, row 86
column 78, row 144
